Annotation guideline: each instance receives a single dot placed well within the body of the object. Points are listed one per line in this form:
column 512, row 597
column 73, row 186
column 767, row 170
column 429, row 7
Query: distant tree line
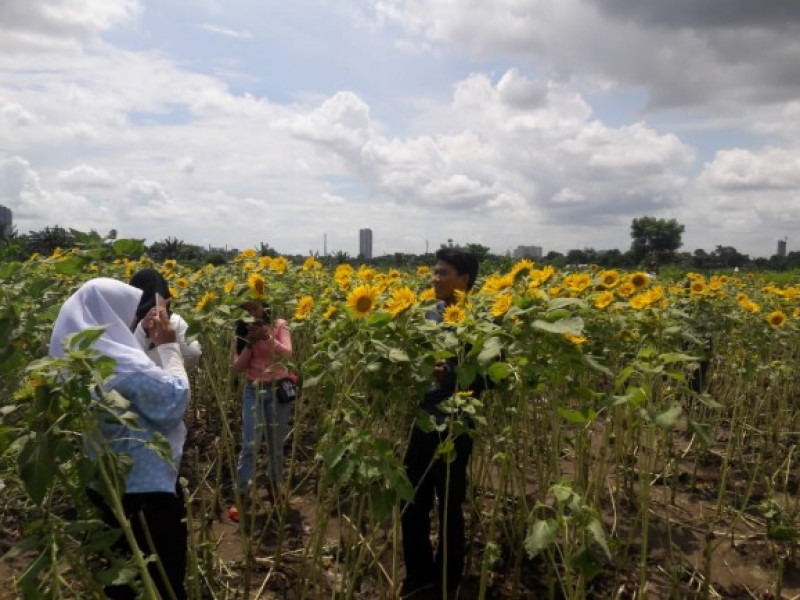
column 655, row 243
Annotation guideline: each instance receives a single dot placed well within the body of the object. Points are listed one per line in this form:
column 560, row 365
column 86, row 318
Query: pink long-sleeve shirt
column 263, row 360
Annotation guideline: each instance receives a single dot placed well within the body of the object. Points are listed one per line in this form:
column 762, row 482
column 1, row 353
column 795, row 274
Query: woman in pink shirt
column 260, row 352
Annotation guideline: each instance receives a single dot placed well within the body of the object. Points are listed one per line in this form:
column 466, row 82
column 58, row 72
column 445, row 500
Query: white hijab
column 108, row 302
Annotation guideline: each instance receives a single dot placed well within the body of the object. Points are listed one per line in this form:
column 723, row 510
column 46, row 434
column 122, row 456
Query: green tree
column 655, row 239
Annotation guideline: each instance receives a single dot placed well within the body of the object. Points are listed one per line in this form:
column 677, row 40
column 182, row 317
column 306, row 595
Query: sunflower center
column 363, row 304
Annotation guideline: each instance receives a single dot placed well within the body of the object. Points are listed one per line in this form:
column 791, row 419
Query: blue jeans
column 262, row 414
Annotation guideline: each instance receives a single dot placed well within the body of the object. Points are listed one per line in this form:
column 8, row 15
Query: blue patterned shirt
column 159, row 405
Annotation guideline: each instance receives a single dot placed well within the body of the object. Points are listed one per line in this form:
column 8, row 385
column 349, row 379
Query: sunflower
column 265, row 262
column 249, row 253
column 577, row 281
column 626, row 289
column 229, row 286
column 279, row 264
column 454, row 314
column 248, row 266
column 311, row 264
column 401, row 299
column 537, row 277
column 182, row 282
column 257, row 285
column 522, row 265
column 366, row 273
column 423, row 271
column 329, row 312
column 776, row 319
column 639, row 301
column 609, row 278
column 304, row 306
column 173, row 292
column 501, row 305
column 170, row 264
column 640, row 279
column 575, row 339
column 604, row 300
column 697, row 287
column 428, row 294
column 362, row 300
column 497, row 283
column 207, row 297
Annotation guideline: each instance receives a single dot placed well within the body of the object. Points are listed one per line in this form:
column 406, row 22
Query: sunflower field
column 639, row 439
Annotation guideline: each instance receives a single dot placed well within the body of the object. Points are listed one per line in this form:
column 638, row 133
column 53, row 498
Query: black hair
column 462, row 261
column 150, row 282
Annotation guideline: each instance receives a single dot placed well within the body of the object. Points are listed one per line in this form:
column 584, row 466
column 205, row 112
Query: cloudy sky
column 502, row 122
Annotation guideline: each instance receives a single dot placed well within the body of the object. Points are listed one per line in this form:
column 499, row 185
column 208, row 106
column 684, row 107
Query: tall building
column 782, row 247
column 528, row 252
column 6, row 221
column 365, row 243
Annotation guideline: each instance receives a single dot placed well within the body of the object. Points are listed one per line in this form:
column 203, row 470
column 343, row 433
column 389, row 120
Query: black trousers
column 163, row 516
column 435, row 477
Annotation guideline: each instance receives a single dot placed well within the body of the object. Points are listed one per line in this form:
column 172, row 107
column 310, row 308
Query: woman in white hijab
column 159, row 397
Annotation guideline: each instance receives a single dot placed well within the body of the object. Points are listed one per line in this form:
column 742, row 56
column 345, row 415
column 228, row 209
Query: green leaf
column 667, row 417
column 586, row 563
column 72, row 265
column 591, row 362
column 783, row 533
column 466, row 375
column 571, row 326
column 701, row 431
column 541, row 535
column 397, row 355
column 36, row 467
column 499, row 371
column 671, row 357
column 578, row 417
column 129, row 248
column 492, row 348
column 595, row 529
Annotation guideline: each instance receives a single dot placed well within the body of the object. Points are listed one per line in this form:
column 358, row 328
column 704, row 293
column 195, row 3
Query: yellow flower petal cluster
column 537, row 277
column 609, row 278
column 428, row 294
column 574, row 339
column 311, row 264
column 577, row 281
column 501, row 304
column 257, row 285
column 639, row 279
column 402, row 299
column 604, row 300
column 454, row 314
column 776, row 319
column 230, row 285
column 204, row 301
column 304, row 307
column 279, row 264
column 362, row 300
